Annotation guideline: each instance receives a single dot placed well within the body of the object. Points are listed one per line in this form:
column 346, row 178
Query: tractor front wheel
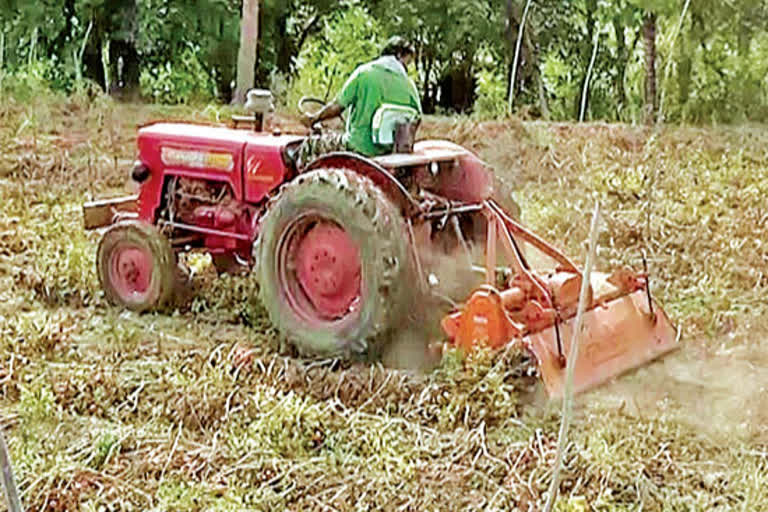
column 136, row 266
column 333, row 257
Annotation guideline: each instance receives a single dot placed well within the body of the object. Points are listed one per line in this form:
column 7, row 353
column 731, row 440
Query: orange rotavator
column 339, row 245
column 623, row 327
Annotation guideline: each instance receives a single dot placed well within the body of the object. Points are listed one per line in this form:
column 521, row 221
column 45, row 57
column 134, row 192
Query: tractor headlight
column 140, row 172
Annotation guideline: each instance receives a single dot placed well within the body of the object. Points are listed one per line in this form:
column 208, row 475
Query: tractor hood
column 253, row 163
column 201, row 135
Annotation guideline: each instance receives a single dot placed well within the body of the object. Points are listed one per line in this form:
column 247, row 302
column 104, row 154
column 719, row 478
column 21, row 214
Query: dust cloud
column 447, row 279
column 718, row 388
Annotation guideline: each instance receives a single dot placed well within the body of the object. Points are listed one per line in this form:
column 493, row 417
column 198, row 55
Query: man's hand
column 308, row 120
column 329, row 111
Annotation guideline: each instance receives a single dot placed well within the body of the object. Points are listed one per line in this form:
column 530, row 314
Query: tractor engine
column 206, row 214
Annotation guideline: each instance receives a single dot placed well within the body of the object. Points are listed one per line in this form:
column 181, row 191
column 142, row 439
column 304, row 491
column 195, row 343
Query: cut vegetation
column 195, row 409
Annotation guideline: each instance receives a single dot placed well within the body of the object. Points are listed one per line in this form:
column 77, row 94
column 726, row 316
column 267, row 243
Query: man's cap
column 397, row 45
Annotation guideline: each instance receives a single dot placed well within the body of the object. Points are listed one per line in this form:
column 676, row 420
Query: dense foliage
column 707, row 59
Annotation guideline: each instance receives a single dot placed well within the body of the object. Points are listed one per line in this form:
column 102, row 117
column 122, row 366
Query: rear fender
column 371, row 170
column 467, row 178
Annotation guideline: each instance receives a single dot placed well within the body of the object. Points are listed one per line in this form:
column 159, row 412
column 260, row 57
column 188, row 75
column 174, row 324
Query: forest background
column 704, row 61
column 197, row 409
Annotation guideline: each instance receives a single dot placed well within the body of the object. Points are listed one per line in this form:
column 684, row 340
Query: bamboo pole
column 516, row 59
column 585, row 90
column 9, row 483
column 660, row 118
column 573, row 356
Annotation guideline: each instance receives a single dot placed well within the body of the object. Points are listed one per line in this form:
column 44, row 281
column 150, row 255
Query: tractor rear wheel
column 333, row 260
column 136, row 266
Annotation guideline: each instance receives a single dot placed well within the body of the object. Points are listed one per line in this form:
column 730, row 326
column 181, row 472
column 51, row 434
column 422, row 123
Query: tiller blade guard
column 623, row 327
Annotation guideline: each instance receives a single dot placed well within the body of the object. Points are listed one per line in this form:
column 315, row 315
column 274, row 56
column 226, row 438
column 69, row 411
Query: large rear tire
column 136, row 266
column 333, row 259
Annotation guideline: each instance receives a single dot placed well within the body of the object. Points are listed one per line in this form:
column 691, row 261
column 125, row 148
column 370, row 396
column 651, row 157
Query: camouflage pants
column 316, row 146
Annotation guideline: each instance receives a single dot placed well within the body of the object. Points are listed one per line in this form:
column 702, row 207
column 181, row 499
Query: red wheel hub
column 130, row 271
column 328, row 269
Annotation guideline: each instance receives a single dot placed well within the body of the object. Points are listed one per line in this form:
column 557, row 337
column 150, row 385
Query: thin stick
column 9, row 484
column 585, row 91
column 660, row 118
column 79, row 56
column 170, row 455
column 651, row 178
column 513, row 79
column 573, row 356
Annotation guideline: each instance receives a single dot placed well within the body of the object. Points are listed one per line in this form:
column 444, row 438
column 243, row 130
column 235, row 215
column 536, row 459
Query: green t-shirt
column 370, row 86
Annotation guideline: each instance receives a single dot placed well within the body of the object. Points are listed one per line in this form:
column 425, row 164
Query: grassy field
column 195, row 410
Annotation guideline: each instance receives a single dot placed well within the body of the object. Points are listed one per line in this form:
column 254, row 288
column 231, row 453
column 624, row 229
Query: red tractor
column 339, row 248
column 332, row 247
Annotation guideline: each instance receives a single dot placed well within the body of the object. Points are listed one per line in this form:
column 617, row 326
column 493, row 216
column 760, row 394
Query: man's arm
column 345, row 98
column 329, row 111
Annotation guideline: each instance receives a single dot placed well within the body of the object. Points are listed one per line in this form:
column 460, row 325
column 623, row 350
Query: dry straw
column 194, row 409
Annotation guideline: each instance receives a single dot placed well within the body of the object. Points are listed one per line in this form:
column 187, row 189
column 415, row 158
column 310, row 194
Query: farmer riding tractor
column 338, row 247
column 346, row 249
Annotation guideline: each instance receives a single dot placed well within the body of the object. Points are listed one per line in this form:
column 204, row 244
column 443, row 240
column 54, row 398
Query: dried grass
column 194, row 409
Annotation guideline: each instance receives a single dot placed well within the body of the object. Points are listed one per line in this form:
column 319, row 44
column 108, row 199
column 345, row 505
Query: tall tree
column 652, row 9
column 516, row 32
column 624, row 17
column 246, row 59
column 448, row 36
column 651, row 96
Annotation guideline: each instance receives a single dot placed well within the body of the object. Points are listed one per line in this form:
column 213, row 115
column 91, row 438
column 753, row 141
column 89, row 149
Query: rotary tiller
column 623, row 327
column 337, row 247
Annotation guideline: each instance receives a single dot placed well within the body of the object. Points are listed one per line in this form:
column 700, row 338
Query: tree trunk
column 127, row 78
column 622, row 58
column 536, row 70
column 246, row 59
column 684, row 69
column 520, row 53
column 284, row 45
column 428, row 98
column 651, row 97
column 586, row 52
column 510, row 33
